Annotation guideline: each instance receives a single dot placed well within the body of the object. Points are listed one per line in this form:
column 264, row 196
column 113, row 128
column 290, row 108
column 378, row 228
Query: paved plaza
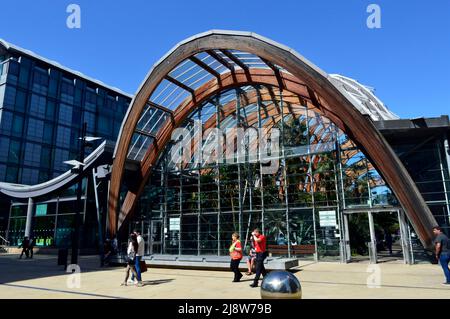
column 42, row 278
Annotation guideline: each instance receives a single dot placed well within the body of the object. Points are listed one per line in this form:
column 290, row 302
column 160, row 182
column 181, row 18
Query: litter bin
column 62, row 256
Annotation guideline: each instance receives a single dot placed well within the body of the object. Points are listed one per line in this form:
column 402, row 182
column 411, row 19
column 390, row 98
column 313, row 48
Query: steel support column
column 30, row 210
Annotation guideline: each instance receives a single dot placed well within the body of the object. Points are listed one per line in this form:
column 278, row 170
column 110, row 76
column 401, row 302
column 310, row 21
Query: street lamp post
column 76, row 236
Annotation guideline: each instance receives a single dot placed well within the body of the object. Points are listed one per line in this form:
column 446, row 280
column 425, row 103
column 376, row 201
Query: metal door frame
column 405, row 238
column 150, row 233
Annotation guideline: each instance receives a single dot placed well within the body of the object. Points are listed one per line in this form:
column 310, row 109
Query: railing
column 3, row 241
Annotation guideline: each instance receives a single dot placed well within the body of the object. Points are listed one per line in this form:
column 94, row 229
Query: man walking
column 139, row 254
column 442, row 250
column 261, row 254
column 25, row 245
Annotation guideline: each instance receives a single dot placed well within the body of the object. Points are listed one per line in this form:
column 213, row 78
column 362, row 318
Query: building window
column 90, row 100
column 32, row 155
column 46, row 157
column 37, row 105
column 4, row 149
column 48, row 133
column 11, row 174
column 10, row 97
column 50, row 111
column 104, row 125
column 35, row 129
column 6, row 122
column 21, row 100
column 17, row 126
column 63, row 137
column 14, row 152
column 2, row 172
column 29, row 176
column 89, row 118
column 40, row 81
column 67, row 91
column 65, row 114
column 60, row 157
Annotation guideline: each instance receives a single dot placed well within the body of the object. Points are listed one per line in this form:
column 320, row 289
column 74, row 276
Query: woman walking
column 236, row 256
column 131, row 259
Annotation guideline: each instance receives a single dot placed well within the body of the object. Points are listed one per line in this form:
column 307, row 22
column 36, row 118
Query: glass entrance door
column 154, row 232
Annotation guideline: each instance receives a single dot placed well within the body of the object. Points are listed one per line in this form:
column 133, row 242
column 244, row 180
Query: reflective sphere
column 280, row 284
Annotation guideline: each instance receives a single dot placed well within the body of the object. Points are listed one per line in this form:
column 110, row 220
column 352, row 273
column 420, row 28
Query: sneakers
column 445, row 284
column 253, row 285
column 238, row 279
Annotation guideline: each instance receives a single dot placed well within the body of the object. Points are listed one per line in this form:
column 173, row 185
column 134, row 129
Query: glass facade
column 199, row 195
column 42, row 109
column 53, row 218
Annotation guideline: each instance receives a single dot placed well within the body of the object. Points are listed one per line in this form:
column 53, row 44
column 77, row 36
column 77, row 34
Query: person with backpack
column 236, row 256
column 442, row 251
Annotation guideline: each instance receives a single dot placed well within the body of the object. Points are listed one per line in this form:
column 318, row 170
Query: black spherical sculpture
column 281, row 284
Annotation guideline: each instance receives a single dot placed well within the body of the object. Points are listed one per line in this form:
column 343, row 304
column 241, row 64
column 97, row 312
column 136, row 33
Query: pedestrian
column 388, row 240
column 261, row 254
column 31, row 246
column 236, row 256
column 442, row 250
column 251, row 258
column 140, row 252
column 24, row 245
column 131, row 258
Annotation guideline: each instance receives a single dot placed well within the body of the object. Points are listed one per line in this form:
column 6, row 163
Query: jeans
column 234, row 265
column 444, row 259
column 138, row 268
column 260, row 267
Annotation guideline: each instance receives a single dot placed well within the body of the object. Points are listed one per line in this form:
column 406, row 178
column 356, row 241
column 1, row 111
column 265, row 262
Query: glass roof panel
column 169, row 95
column 139, row 146
column 249, row 59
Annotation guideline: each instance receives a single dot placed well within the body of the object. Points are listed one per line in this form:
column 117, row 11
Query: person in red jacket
column 236, row 256
column 261, row 254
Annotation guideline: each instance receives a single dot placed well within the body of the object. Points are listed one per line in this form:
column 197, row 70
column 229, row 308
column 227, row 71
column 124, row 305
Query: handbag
column 130, row 258
column 142, row 266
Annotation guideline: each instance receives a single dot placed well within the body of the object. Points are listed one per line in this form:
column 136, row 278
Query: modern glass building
column 233, row 131
column 42, row 108
column 230, row 131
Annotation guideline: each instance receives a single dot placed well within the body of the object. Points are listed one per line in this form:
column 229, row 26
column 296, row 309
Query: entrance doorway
column 154, row 232
column 377, row 235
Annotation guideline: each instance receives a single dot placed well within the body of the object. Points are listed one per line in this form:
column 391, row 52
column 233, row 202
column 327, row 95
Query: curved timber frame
column 302, row 78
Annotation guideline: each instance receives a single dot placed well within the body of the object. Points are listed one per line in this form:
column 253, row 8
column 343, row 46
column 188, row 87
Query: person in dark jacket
column 442, row 251
column 24, row 245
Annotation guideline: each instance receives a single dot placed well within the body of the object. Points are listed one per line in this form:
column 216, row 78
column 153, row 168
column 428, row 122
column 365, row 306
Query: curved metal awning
column 62, row 181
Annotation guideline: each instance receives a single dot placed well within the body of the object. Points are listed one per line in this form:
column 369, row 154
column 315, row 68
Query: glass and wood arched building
column 327, row 158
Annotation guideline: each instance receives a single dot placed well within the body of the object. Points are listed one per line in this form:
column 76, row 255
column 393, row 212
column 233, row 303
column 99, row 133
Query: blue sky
column 407, row 60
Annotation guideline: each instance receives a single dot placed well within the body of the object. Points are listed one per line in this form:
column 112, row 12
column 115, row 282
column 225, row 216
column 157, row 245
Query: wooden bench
column 295, row 249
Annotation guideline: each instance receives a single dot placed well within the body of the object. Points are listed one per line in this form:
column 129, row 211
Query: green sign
column 41, row 209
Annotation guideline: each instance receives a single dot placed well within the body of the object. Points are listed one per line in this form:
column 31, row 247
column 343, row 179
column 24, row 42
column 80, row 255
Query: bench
column 295, row 249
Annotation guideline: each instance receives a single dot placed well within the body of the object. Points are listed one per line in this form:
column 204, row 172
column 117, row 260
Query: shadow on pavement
column 14, row 269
